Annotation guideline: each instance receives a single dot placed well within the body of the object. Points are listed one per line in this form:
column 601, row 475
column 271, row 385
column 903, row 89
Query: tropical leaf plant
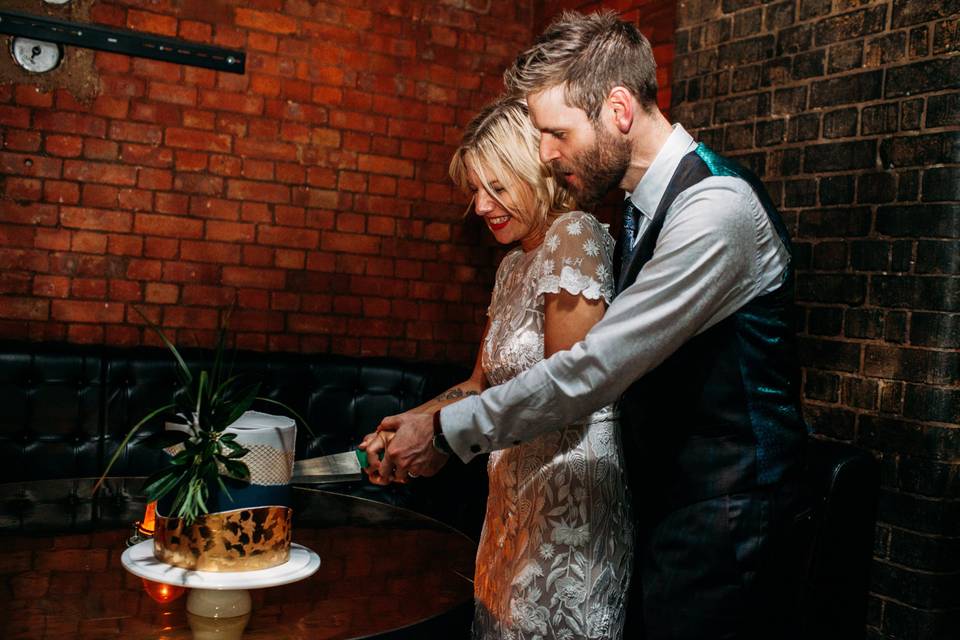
column 204, row 405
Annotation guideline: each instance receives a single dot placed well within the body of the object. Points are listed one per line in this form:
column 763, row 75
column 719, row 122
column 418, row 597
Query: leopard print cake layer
column 239, row 540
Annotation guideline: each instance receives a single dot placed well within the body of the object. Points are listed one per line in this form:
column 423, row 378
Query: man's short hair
column 588, row 55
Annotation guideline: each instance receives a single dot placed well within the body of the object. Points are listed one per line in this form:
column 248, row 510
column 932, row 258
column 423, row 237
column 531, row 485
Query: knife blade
column 338, row 467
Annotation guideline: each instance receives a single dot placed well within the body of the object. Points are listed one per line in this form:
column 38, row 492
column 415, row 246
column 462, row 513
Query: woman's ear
column 621, row 103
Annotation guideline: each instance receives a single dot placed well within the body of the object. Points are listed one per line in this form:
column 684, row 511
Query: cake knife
column 338, row 467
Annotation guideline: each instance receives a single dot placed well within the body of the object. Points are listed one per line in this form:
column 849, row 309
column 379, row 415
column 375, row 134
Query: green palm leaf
column 182, row 369
column 165, row 439
column 123, row 443
column 235, row 470
column 207, row 403
column 296, row 415
column 161, row 483
column 240, row 405
column 221, row 343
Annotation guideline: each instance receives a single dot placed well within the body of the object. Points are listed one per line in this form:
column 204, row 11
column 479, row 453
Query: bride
column 555, row 553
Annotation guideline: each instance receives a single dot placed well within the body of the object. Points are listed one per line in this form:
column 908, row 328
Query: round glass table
column 385, row 572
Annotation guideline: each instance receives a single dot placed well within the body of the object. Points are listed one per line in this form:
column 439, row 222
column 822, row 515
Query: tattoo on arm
column 457, row 392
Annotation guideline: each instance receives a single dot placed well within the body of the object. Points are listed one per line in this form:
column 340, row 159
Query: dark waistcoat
column 722, row 414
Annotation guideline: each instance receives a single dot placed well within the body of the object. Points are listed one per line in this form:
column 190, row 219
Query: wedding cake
column 249, row 529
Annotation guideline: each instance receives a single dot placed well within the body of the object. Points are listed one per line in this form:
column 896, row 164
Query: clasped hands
column 406, row 443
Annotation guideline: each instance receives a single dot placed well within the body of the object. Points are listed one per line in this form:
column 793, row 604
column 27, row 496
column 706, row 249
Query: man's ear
column 621, row 103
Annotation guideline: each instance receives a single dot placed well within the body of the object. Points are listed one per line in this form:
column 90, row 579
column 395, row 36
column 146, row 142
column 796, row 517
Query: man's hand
column 410, row 453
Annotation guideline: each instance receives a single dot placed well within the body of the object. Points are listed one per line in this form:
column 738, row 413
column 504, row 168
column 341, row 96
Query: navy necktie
column 630, row 214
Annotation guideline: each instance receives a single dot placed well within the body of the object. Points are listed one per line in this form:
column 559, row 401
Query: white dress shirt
column 717, row 250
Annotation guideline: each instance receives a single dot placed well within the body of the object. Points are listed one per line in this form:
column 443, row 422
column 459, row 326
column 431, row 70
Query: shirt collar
column 649, row 191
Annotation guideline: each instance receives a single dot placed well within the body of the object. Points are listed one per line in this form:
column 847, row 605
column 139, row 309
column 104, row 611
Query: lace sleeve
column 577, row 254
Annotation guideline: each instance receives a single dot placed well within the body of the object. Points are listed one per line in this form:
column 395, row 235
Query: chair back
column 838, row 536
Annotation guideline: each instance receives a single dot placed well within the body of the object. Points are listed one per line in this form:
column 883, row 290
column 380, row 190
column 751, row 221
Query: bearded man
column 698, row 345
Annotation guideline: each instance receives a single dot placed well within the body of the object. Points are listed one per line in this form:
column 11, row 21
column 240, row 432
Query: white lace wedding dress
column 557, row 544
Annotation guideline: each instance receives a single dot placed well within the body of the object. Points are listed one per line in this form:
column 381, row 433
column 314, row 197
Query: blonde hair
column 588, row 55
column 501, row 145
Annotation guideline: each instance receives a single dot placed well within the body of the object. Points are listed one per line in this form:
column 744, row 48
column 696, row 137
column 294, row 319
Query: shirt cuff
column 460, row 430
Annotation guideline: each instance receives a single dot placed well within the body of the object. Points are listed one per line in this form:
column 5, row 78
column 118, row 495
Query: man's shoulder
column 719, row 185
column 717, row 201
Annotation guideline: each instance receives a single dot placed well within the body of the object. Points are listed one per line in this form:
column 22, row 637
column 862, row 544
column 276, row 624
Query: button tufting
column 475, row 448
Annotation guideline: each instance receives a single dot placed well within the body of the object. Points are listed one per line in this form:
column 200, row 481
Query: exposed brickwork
column 311, row 190
column 848, row 110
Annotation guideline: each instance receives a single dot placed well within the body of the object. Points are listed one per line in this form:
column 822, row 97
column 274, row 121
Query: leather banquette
column 64, row 410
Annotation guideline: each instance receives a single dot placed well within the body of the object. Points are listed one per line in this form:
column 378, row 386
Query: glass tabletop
column 383, row 569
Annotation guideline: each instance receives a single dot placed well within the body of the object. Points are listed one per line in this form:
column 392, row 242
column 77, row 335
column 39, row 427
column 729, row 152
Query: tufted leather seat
column 66, row 408
column 50, row 411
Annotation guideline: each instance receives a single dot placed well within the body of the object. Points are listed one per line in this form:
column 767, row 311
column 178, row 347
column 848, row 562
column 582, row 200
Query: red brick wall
column 849, row 111
column 312, row 190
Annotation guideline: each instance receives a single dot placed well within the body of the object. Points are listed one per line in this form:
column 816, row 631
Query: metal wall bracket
column 132, row 43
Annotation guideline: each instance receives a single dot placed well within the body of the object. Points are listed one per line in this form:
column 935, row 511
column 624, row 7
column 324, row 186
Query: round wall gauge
column 36, row 56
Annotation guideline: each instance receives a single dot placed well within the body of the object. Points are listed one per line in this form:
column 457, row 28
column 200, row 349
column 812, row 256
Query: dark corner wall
column 848, row 109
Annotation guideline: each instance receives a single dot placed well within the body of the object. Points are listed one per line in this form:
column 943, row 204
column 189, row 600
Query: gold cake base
column 239, row 540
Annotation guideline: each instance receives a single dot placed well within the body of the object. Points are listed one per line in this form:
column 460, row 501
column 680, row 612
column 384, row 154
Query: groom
column 698, row 345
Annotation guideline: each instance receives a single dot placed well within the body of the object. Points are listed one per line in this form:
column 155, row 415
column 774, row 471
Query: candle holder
column 149, row 523
column 143, row 529
column 161, row 592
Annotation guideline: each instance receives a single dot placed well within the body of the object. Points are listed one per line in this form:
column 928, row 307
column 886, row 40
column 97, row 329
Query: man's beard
column 598, row 169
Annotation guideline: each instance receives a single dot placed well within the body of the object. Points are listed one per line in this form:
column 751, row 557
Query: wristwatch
column 439, row 440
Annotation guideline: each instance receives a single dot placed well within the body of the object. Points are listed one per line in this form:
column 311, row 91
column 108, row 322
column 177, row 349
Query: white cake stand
column 219, row 594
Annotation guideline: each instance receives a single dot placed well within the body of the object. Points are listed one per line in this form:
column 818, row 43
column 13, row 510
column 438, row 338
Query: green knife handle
column 362, row 458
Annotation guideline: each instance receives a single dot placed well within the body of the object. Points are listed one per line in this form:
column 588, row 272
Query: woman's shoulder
column 574, row 226
column 576, row 222
column 575, row 215
column 576, row 260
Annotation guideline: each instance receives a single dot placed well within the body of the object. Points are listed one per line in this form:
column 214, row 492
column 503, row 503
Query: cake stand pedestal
column 219, row 602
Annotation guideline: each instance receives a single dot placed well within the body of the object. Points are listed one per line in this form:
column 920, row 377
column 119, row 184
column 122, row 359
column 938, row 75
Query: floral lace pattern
column 556, row 549
column 576, row 257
